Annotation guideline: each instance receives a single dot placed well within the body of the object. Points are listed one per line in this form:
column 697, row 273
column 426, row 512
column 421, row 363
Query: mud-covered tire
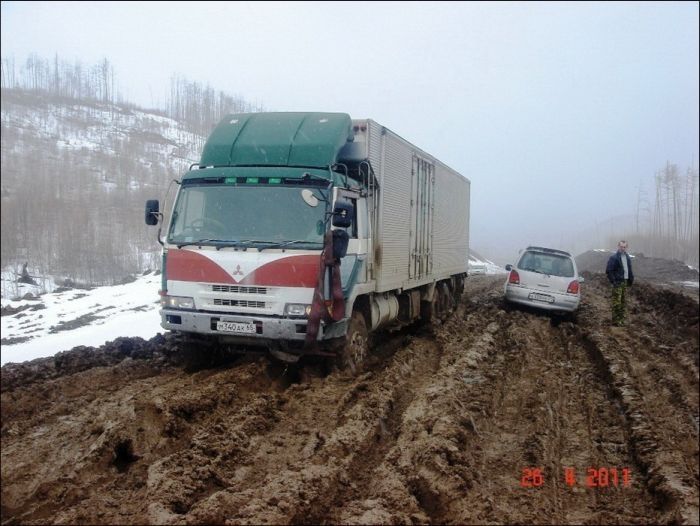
column 506, row 305
column 199, row 352
column 430, row 310
column 352, row 354
column 457, row 294
column 446, row 301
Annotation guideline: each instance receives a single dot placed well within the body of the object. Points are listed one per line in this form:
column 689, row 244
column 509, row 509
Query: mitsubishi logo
column 238, row 271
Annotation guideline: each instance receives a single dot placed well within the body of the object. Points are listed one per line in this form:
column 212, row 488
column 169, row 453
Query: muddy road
column 495, row 416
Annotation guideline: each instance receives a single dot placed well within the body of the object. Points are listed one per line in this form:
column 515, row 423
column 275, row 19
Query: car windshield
column 552, row 264
column 213, row 213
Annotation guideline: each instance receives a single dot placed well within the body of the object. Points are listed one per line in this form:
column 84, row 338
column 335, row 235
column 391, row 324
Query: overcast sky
column 556, row 112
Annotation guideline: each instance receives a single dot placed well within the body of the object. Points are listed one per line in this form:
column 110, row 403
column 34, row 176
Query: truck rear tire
column 446, row 301
column 353, row 354
column 430, row 310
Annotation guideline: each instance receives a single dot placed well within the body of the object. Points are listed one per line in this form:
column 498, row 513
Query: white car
column 544, row 278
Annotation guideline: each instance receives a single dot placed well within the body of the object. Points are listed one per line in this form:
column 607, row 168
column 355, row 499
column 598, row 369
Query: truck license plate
column 541, row 297
column 238, row 327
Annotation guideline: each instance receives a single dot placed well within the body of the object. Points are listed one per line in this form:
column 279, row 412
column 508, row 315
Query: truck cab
column 241, row 250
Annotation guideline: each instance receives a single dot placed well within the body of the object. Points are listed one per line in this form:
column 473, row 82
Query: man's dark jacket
column 615, row 272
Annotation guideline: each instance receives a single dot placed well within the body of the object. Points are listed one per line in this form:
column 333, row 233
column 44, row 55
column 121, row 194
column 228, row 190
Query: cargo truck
column 301, row 233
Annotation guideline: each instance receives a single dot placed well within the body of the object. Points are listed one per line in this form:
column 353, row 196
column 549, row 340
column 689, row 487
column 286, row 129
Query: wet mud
column 498, row 415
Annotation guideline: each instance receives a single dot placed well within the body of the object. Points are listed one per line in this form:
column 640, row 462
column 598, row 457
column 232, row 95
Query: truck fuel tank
column 385, row 308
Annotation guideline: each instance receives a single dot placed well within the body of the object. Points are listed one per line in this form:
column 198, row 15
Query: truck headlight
column 297, row 309
column 177, row 302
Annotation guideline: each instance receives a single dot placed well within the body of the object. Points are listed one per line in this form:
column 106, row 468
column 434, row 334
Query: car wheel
column 506, row 305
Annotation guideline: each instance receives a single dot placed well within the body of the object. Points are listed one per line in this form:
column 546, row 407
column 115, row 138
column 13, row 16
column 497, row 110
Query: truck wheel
column 459, row 290
column 446, row 301
column 430, row 310
column 353, row 353
column 198, row 352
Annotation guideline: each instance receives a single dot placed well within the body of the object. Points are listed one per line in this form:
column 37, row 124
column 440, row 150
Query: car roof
column 548, row 250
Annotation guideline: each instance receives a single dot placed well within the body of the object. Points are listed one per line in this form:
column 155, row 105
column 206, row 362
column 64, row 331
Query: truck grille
column 239, row 289
column 240, row 303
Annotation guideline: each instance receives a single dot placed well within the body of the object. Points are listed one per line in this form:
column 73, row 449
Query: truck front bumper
column 267, row 329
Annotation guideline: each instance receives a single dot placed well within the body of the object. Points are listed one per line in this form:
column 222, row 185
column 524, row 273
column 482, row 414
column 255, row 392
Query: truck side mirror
column 342, row 215
column 152, row 211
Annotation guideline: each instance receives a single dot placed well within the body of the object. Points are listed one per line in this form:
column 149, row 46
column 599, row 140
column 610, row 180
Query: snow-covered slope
column 85, row 128
column 478, row 264
column 59, row 321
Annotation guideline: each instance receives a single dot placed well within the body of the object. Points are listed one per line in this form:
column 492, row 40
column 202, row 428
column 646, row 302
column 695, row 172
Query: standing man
column 620, row 274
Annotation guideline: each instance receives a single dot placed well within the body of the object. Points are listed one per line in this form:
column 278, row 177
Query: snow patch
column 59, row 321
column 484, row 266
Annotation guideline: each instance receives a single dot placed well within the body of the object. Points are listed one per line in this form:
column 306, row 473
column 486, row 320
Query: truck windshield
column 251, row 215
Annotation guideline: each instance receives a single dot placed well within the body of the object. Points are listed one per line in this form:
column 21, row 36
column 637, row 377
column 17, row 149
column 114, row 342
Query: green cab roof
column 277, row 139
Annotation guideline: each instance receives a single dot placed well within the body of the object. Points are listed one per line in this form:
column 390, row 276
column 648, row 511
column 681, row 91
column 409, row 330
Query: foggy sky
column 556, row 112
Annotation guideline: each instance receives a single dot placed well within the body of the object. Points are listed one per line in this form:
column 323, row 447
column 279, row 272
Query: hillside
column 84, row 170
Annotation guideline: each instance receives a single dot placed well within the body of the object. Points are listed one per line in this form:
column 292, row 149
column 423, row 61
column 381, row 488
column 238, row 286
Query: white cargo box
column 420, row 215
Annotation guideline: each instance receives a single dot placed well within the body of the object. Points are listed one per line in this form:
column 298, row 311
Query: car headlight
column 177, row 302
column 297, row 309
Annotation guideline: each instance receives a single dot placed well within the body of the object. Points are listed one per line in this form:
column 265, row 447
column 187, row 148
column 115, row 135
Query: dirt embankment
column 647, row 268
column 440, row 429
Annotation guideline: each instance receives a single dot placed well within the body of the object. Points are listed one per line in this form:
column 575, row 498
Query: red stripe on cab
column 185, row 265
column 291, row 271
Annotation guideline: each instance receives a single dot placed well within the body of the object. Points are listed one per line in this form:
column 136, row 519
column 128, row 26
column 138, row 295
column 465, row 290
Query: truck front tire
column 353, row 353
column 198, row 351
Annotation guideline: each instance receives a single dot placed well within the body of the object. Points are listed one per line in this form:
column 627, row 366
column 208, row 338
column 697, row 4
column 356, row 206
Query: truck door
column 420, row 245
column 353, row 267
